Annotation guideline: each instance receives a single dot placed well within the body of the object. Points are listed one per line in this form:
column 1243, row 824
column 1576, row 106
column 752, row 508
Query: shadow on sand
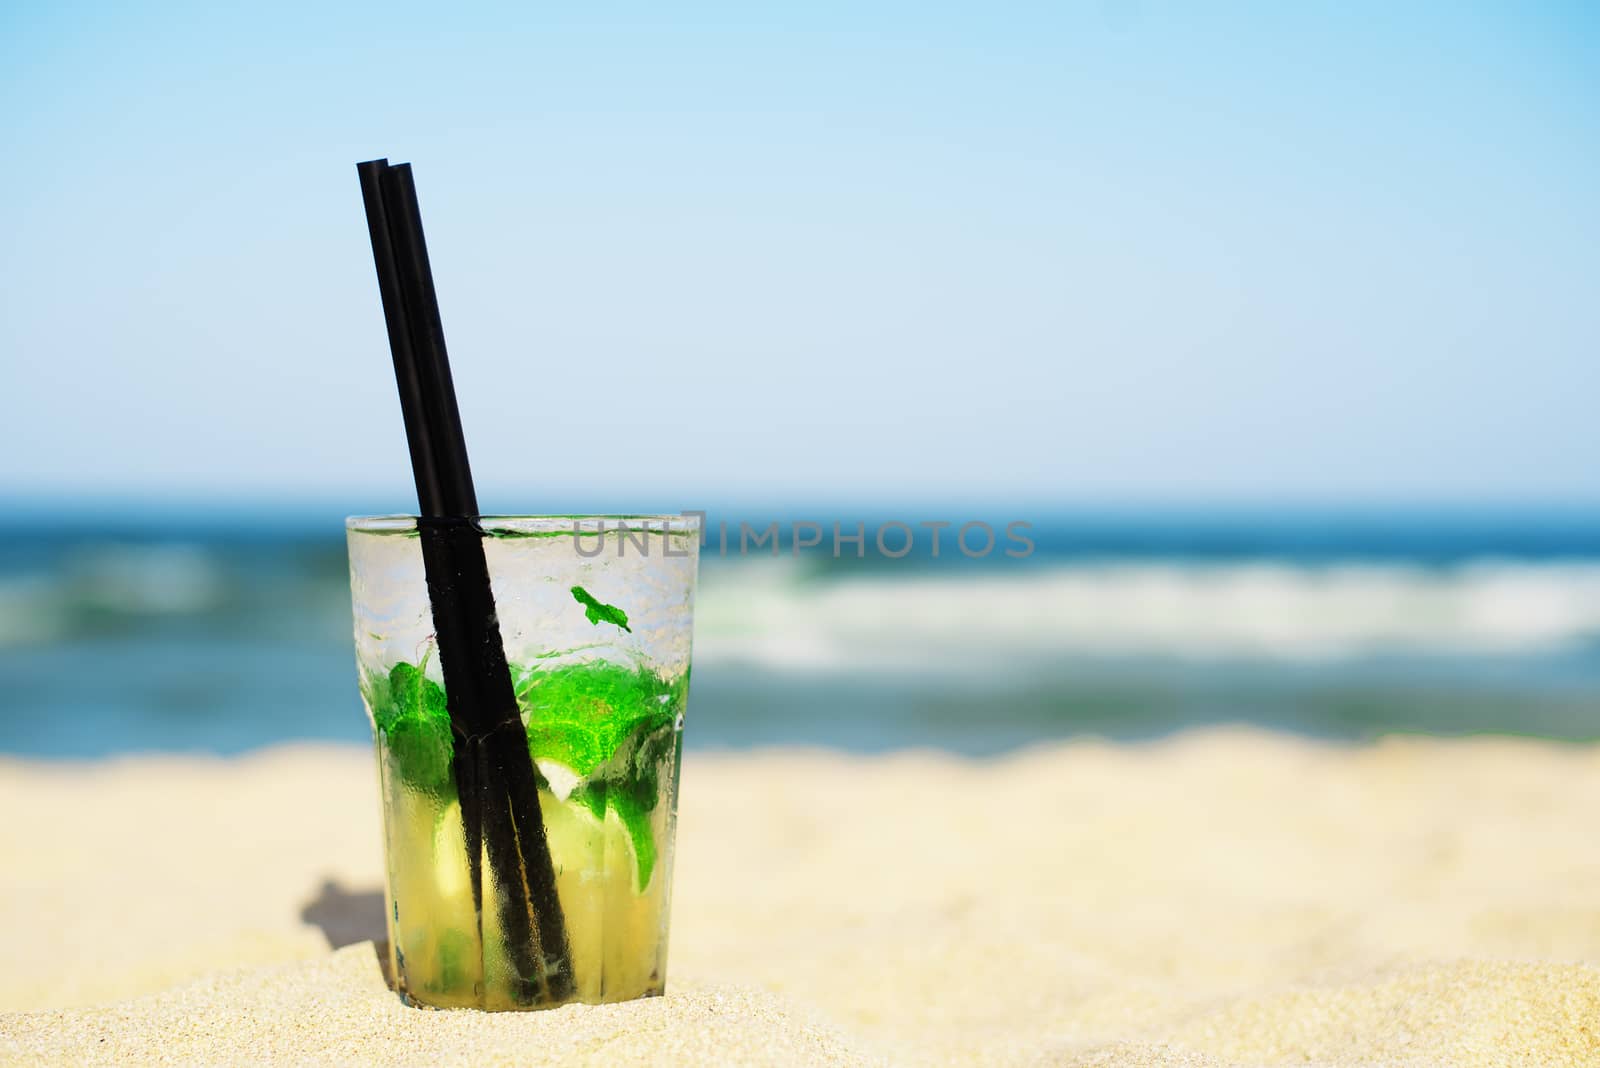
column 347, row 917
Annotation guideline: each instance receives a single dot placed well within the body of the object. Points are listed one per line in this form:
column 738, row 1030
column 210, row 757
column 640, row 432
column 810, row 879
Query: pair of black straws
column 494, row 772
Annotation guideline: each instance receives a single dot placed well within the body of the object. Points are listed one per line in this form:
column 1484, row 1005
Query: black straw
column 495, row 776
column 451, row 473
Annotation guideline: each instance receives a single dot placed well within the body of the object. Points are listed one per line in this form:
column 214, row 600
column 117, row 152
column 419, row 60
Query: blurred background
column 1277, row 324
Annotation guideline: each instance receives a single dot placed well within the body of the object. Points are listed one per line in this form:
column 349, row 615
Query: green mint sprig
column 613, row 724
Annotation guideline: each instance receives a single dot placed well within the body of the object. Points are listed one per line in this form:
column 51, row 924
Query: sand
column 1223, row 898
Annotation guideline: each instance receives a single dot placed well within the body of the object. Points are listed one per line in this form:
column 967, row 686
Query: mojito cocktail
column 595, row 614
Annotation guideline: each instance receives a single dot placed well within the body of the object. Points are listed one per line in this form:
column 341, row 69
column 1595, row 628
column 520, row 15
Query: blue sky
column 1054, row 253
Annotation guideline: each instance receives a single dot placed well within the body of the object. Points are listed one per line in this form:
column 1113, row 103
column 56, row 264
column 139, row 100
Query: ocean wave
column 769, row 613
column 783, row 614
column 92, row 586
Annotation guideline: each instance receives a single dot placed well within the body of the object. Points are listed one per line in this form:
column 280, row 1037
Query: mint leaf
column 579, row 714
column 411, row 715
column 636, row 818
column 423, row 750
column 629, row 784
column 417, row 694
column 598, row 612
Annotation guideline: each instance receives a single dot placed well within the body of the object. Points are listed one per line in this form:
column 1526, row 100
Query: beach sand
column 1222, row 898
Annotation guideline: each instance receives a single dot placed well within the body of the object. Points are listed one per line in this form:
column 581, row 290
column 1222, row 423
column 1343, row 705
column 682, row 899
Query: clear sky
column 1104, row 252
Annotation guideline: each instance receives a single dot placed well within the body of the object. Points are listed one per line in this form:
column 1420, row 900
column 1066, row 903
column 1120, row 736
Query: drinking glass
column 595, row 614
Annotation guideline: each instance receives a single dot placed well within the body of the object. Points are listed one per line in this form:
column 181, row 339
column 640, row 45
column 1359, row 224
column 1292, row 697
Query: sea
column 190, row 631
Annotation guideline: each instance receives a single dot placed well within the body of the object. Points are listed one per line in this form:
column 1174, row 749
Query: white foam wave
column 766, row 615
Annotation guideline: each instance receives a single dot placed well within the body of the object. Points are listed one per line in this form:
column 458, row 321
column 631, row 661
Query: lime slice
column 451, row 880
column 590, row 842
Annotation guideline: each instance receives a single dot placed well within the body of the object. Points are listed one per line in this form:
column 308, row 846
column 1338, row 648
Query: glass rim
column 661, row 523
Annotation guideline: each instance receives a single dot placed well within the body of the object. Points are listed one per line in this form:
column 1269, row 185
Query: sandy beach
column 1221, row 898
